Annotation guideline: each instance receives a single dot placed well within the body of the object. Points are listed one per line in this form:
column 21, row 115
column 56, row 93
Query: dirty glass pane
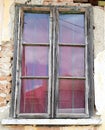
column 34, row 96
column 36, row 28
column 35, row 61
column 71, row 28
column 71, row 61
column 71, row 96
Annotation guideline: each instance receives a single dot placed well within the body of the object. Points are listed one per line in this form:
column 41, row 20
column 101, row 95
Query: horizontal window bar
column 33, row 115
column 72, row 9
column 67, row 77
column 35, row 44
column 38, row 8
column 75, row 115
column 71, row 44
column 34, row 77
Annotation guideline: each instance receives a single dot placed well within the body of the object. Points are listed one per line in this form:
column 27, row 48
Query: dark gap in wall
column 93, row 2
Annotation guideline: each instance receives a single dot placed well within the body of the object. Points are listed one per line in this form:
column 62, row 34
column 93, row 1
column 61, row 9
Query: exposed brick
column 2, row 99
column 6, row 56
column 1, row 55
column 65, row 1
column 3, row 78
column 48, row 0
column 1, row 91
column 8, row 97
column 7, row 91
column 3, row 86
column 9, row 78
column 9, row 85
column 3, row 104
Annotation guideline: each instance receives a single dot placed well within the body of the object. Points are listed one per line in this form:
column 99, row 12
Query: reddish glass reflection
column 71, row 96
column 35, row 61
column 34, row 96
column 71, row 28
column 36, row 28
column 71, row 61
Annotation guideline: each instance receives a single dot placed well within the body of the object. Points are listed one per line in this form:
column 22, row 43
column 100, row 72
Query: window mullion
column 53, row 62
column 50, row 64
column 56, row 60
column 19, row 63
column 14, row 109
column 86, row 68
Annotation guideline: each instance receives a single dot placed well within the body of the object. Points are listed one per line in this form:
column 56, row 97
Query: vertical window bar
column 50, row 63
column 19, row 57
column 56, row 60
column 86, row 67
column 14, row 107
column 54, row 63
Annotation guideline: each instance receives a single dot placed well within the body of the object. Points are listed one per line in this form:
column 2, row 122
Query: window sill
column 90, row 121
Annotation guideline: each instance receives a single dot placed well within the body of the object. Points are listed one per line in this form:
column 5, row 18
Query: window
column 52, row 63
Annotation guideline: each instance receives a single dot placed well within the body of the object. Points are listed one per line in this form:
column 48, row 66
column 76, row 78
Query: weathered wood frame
column 47, row 114
column 84, row 45
column 53, row 61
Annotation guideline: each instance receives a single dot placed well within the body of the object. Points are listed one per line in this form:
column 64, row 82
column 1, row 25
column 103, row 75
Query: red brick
column 2, row 99
column 9, row 78
column 3, row 86
column 3, row 104
column 3, row 78
column 8, row 97
column 9, row 85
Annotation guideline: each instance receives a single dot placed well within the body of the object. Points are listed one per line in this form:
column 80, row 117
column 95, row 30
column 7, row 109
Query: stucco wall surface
column 7, row 11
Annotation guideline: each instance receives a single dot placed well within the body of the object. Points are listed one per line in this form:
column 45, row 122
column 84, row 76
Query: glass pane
column 71, row 96
column 36, row 28
column 71, row 28
column 35, row 61
column 34, row 96
column 71, row 61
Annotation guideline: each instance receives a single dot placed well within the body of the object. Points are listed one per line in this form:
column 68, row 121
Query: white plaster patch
column 11, row 20
column 2, row 95
column 99, row 36
column 3, row 82
column 1, row 20
column 30, row 2
column 2, row 109
column 99, row 79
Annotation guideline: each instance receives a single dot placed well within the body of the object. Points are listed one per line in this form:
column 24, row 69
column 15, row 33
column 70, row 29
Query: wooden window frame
column 89, row 94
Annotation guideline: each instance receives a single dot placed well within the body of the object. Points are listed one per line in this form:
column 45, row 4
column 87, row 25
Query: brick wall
column 6, row 56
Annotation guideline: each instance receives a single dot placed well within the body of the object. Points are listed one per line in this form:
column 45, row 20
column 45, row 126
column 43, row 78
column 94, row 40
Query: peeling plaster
column 3, row 109
column 99, row 31
column 1, row 20
column 99, row 81
column 30, row 1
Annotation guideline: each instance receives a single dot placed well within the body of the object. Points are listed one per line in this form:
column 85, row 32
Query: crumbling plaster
column 99, row 30
column 99, row 58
